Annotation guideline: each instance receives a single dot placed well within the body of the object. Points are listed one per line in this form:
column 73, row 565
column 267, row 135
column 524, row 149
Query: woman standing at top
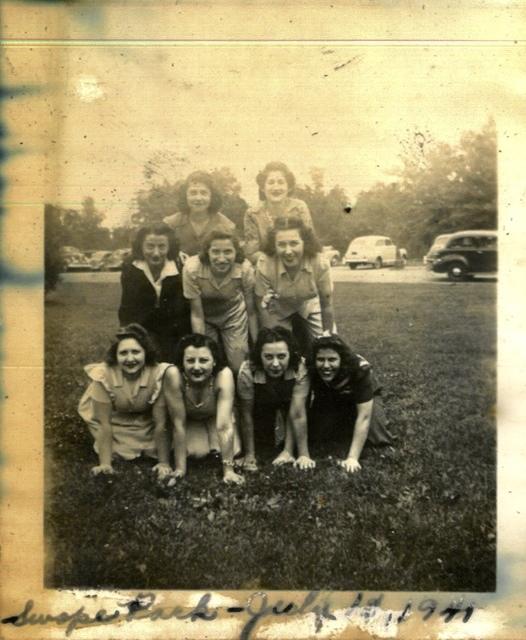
column 293, row 282
column 276, row 182
column 152, row 289
column 198, row 204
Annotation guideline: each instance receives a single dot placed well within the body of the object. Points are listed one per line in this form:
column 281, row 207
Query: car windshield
column 361, row 241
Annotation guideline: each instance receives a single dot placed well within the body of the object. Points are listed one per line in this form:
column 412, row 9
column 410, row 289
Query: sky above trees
column 346, row 109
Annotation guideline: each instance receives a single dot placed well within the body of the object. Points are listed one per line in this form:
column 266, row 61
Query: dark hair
column 350, row 362
column 284, row 223
column 139, row 333
column 205, row 178
column 220, row 234
column 157, row 229
column 199, row 340
column 262, row 176
column 275, row 334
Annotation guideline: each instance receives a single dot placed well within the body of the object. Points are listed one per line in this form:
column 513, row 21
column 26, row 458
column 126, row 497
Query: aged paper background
column 485, row 41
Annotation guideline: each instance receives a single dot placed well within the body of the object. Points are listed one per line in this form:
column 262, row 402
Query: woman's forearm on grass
column 179, row 441
column 247, row 428
column 102, row 414
column 176, row 409
column 298, row 418
column 361, row 429
column 161, row 435
column 225, row 404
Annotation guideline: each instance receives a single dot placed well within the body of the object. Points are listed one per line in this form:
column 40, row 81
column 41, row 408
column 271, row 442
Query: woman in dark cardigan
column 152, row 291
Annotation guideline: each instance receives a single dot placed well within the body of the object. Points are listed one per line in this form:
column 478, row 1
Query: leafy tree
column 440, row 188
column 54, row 240
column 329, row 210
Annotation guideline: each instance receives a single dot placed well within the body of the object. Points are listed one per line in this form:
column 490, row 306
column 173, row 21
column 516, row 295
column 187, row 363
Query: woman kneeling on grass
column 273, row 387
column 123, row 405
column 344, row 398
column 199, row 393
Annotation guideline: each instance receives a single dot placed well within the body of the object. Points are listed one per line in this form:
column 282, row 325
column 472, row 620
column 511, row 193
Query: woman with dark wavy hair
column 199, row 392
column 345, row 400
column 123, row 405
column 293, row 281
column 219, row 283
column 272, row 388
column 152, row 290
column 198, row 204
column 276, row 183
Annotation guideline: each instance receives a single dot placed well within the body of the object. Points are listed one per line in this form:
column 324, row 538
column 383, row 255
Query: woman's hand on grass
column 283, row 458
column 230, row 476
column 105, row 469
column 351, row 465
column 304, row 462
column 163, row 470
column 174, row 476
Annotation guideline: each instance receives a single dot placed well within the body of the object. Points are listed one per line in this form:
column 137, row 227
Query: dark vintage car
column 465, row 254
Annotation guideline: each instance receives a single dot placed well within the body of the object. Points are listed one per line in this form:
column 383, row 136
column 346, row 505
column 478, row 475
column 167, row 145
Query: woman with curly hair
column 293, row 281
column 219, row 283
column 152, row 289
column 272, row 388
column 123, row 405
column 198, row 205
column 276, row 183
column 199, row 393
column 344, row 401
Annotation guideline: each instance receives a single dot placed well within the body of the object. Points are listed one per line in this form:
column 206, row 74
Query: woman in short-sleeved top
column 345, row 403
column 276, row 182
column 123, row 404
column 198, row 204
column 293, row 281
column 272, row 388
column 219, row 283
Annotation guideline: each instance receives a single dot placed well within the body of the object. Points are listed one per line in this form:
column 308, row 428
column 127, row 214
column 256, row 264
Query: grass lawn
column 419, row 516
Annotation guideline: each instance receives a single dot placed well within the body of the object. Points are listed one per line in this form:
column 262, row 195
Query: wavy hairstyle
column 139, row 333
column 262, row 176
column 311, row 245
column 220, row 234
column 205, row 178
column 156, row 229
column 199, row 340
column 269, row 336
column 350, row 362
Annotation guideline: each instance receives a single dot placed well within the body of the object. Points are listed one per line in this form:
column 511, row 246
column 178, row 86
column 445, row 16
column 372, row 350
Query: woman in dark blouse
column 344, row 400
column 152, row 291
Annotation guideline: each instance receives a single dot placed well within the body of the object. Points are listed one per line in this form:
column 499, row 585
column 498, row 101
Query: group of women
column 226, row 349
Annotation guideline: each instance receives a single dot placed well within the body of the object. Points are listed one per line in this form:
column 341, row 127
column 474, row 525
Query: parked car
column 76, row 262
column 467, row 253
column 438, row 243
column 115, row 261
column 377, row 251
column 332, row 254
column 99, row 259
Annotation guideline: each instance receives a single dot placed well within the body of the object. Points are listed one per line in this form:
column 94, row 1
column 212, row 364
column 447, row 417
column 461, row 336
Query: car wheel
column 378, row 264
column 457, row 271
column 353, row 266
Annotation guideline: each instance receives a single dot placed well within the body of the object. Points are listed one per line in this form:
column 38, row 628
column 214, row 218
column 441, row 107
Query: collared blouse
column 218, row 297
column 312, row 279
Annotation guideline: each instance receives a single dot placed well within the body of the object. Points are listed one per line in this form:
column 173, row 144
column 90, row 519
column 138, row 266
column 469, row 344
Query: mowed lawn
column 419, row 516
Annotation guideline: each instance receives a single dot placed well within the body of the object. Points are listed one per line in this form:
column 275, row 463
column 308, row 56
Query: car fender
column 454, row 257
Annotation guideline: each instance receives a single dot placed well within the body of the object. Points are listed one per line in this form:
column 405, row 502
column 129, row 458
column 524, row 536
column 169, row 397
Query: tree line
column 437, row 188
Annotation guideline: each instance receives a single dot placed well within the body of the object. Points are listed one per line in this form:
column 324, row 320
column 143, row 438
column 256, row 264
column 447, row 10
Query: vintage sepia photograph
column 271, row 320
column 271, row 271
